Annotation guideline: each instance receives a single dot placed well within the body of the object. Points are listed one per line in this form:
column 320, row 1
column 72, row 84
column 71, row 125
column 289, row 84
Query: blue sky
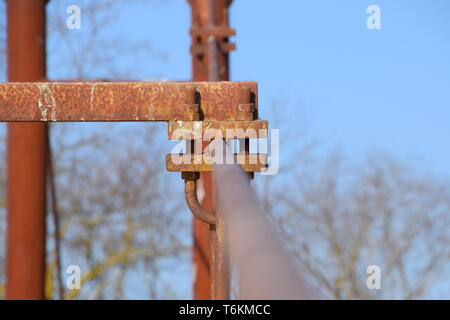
column 360, row 89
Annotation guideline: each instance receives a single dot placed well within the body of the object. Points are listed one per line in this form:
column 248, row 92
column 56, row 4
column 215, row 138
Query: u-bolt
column 190, row 190
column 191, row 113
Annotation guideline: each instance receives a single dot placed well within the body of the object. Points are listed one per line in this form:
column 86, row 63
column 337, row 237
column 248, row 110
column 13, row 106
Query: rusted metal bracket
column 243, row 128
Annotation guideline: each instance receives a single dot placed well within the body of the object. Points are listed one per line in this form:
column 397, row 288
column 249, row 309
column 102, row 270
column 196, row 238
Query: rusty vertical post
column 218, row 260
column 27, row 143
column 201, row 18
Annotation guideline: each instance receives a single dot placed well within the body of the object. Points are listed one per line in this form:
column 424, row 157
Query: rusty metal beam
column 26, row 157
column 118, row 101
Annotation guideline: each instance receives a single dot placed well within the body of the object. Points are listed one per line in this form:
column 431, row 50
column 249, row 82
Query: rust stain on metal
column 117, row 101
column 46, row 101
column 203, row 162
column 188, row 130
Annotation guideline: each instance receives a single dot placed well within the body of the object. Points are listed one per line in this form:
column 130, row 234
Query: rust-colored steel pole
column 218, row 260
column 27, row 152
column 201, row 17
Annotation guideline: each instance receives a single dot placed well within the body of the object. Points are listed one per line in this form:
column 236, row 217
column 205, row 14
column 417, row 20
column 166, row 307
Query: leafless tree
column 338, row 219
column 120, row 217
column 98, row 49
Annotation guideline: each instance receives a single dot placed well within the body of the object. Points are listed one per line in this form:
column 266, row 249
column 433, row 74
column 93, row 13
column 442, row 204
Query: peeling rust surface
column 203, row 162
column 117, row 101
column 189, row 130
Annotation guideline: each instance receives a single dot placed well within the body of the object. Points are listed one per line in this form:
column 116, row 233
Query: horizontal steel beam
column 119, row 101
